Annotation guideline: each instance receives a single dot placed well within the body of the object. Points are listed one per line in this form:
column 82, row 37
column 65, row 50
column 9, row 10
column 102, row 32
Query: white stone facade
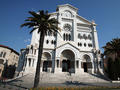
column 74, row 49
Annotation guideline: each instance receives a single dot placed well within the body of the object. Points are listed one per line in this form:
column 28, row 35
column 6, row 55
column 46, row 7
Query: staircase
column 62, row 78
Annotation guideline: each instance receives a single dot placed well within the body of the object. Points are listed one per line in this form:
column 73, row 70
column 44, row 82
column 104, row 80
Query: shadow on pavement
column 100, row 76
column 13, row 84
column 76, row 83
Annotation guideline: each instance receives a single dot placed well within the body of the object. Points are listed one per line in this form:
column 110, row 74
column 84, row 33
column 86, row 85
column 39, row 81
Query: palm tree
column 113, row 48
column 41, row 22
column 112, row 53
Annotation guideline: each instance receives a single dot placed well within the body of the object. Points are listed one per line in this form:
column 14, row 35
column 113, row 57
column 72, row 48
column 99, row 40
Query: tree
column 41, row 22
column 112, row 56
column 113, row 47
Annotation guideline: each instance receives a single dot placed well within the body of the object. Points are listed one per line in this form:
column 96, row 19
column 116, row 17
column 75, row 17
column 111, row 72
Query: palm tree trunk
column 40, row 50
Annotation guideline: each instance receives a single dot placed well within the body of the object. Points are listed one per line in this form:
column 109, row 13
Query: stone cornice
column 71, row 45
column 54, row 13
column 85, row 25
column 48, row 49
column 64, row 18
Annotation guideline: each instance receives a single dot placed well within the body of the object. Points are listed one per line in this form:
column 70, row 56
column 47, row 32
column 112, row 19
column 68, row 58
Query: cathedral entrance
column 47, row 65
column 87, row 64
column 47, row 62
column 85, row 67
column 65, row 65
column 68, row 61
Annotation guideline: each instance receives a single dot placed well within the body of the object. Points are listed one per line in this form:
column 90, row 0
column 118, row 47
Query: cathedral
column 75, row 49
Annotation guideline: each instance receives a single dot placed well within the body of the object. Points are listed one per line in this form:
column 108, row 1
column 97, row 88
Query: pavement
column 26, row 82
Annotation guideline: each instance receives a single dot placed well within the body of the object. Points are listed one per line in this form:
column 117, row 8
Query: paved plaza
column 26, row 82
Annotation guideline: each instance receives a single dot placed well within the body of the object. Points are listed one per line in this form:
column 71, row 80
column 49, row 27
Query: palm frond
column 33, row 30
column 29, row 24
column 34, row 14
column 43, row 22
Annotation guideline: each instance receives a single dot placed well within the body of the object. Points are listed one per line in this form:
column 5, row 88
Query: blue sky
column 106, row 14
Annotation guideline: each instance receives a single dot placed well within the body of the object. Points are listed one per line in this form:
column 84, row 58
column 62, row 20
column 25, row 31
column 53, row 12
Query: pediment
column 68, row 44
column 67, row 6
column 69, row 11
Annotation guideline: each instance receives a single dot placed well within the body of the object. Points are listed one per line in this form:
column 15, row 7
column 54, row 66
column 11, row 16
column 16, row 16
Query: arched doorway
column 47, row 62
column 87, row 64
column 67, row 61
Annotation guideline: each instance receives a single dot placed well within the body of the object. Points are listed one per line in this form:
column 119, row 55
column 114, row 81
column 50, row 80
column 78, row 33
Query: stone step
column 61, row 78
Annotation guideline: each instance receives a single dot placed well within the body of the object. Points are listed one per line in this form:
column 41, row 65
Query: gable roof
column 85, row 20
column 76, row 9
column 69, row 44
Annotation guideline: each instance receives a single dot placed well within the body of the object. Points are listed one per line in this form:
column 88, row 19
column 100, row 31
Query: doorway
column 85, row 67
column 47, row 65
column 65, row 65
column 68, row 61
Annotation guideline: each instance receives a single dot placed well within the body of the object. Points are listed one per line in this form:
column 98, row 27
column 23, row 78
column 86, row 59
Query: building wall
column 8, row 54
column 81, row 39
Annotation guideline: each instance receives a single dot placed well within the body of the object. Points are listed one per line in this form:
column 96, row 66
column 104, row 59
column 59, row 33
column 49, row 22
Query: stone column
column 79, row 64
column 31, row 62
column 75, row 66
column 27, row 64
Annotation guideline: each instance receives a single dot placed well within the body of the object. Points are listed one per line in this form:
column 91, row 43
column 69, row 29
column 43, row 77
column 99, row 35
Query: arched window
column 1, row 54
column 89, row 37
column 69, row 37
column 4, row 55
column 78, row 44
column 52, row 42
column 90, row 45
column 84, row 36
column 85, row 44
column 29, row 62
column 47, row 41
column 79, row 35
column 64, row 36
